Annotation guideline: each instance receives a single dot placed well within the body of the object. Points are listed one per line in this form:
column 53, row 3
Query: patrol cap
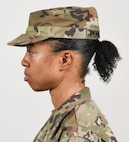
column 63, row 22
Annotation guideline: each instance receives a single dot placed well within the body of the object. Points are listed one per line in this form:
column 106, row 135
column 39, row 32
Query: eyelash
column 30, row 52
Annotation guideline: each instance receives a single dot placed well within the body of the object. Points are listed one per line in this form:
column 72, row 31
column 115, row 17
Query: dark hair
column 105, row 54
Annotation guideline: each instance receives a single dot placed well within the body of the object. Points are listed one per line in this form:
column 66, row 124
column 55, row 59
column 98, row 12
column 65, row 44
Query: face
column 41, row 67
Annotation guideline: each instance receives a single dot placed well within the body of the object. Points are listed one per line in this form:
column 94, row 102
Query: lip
column 26, row 77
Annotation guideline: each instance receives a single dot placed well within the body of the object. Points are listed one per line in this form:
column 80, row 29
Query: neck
column 64, row 91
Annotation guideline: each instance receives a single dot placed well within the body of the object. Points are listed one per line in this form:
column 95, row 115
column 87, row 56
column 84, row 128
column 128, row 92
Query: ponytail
column 105, row 59
column 105, row 54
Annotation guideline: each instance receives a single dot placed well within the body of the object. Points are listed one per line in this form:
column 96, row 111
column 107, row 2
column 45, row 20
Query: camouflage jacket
column 77, row 120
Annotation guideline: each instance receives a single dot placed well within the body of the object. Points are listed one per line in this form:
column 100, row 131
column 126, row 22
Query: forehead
column 42, row 47
column 39, row 45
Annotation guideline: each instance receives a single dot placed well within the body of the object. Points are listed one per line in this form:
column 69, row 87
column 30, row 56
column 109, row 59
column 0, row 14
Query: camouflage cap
column 63, row 22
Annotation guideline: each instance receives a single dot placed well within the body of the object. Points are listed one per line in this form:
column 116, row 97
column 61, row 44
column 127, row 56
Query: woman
column 60, row 44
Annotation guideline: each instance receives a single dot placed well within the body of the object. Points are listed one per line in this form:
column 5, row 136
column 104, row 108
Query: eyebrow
column 30, row 46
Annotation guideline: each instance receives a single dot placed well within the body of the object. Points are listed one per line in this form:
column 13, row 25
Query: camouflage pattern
column 77, row 120
column 63, row 22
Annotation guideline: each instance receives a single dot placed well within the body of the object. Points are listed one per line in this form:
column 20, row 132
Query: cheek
column 42, row 67
column 38, row 62
column 44, row 75
column 44, row 78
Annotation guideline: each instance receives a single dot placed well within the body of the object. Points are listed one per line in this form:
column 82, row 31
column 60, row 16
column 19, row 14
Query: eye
column 30, row 52
column 30, row 48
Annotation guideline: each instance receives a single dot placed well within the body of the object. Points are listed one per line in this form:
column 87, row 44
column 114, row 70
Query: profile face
column 41, row 66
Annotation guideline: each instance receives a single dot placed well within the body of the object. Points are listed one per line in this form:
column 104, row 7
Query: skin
column 56, row 72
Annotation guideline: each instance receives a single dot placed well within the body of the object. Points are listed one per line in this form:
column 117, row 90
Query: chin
column 36, row 89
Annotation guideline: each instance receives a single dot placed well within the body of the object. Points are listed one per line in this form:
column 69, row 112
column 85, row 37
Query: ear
column 66, row 60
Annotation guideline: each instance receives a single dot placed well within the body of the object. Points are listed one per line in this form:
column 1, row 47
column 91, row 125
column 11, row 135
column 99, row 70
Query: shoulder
column 87, row 121
column 88, row 114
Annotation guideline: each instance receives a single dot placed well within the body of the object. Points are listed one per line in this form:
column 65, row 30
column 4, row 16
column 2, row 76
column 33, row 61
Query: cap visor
column 25, row 39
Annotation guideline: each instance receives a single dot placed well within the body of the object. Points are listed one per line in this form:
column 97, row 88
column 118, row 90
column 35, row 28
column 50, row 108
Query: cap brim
column 25, row 39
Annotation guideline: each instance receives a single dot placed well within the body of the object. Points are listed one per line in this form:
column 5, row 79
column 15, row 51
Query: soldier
column 60, row 44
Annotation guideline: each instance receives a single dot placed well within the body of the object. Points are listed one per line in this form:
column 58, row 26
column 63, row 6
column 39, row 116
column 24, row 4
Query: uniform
column 76, row 120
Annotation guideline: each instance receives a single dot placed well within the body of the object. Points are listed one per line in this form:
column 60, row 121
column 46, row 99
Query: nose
column 25, row 61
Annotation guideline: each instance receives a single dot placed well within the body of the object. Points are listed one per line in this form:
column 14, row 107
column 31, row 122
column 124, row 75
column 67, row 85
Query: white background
column 23, row 111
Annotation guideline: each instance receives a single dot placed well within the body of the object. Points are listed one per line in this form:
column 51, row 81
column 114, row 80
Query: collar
column 76, row 99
